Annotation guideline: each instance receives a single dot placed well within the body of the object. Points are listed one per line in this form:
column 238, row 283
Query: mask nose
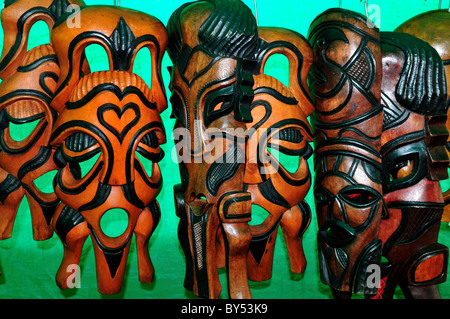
column 120, row 171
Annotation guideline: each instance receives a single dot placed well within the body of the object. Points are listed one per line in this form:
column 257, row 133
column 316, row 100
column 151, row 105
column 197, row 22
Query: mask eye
column 82, row 152
column 359, row 196
column 402, row 168
column 291, row 141
column 218, row 104
column 21, row 120
column 322, row 196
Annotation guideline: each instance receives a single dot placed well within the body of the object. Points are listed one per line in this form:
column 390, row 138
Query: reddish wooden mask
column 346, row 87
column 434, row 28
column 28, row 85
column 114, row 116
column 414, row 161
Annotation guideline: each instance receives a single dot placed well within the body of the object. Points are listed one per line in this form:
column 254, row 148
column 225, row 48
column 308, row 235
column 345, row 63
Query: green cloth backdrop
column 29, row 267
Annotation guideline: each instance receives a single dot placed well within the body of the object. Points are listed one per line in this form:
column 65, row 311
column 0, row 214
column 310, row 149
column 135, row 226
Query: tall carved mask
column 112, row 118
column 212, row 89
column 434, row 28
column 346, row 88
column 414, row 161
column 28, row 85
column 228, row 114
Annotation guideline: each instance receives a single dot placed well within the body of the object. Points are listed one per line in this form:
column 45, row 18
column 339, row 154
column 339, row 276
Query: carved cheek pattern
column 211, row 142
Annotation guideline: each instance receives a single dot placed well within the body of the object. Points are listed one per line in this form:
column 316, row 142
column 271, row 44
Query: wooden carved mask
column 346, row 85
column 212, row 89
column 434, row 28
column 279, row 134
column 112, row 118
column 28, row 85
column 414, row 161
column 219, row 88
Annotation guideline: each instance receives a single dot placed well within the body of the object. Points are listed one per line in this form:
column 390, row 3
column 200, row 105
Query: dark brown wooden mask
column 113, row 118
column 27, row 88
column 414, row 161
column 434, row 28
column 346, row 88
column 212, row 89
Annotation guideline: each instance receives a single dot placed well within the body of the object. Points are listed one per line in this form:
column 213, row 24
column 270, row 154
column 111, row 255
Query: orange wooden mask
column 28, row 85
column 279, row 128
column 111, row 117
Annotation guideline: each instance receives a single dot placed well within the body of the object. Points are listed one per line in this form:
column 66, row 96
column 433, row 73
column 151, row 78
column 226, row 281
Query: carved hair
column 226, row 32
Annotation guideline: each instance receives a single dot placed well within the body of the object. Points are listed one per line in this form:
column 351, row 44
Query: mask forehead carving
column 112, row 119
column 121, row 39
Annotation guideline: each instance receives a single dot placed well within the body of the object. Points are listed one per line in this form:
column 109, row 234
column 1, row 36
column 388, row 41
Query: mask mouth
column 113, row 229
column 113, row 256
column 336, row 233
column 114, row 222
column 198, row 205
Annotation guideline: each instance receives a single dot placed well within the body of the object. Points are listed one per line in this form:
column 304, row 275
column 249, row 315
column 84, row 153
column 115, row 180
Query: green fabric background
column 29, row 267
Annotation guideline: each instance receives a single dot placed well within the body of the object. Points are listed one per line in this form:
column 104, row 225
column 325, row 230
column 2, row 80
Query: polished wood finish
column 346, row 87
column 406, row 135
column 434, row 28
column 28, row 85
column 219, row 89
column 115, row 115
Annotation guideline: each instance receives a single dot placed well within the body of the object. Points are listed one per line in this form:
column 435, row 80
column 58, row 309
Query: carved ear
column 297, row 50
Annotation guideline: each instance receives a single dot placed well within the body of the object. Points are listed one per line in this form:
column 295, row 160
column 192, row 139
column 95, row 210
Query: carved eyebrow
column 290, row 134
column 79, row 142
